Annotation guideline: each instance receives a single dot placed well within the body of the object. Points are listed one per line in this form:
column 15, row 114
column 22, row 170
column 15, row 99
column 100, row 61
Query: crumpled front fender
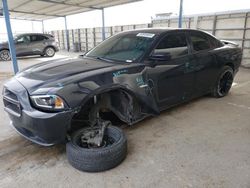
column 136, row 85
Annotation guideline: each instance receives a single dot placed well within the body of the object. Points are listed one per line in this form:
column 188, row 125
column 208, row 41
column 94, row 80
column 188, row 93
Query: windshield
column 127, row 48
column 16, row 37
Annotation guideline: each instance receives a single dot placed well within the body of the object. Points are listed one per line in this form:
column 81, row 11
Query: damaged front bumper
column 39, row 127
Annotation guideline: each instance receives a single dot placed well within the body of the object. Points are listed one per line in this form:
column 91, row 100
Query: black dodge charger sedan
column 127, row 77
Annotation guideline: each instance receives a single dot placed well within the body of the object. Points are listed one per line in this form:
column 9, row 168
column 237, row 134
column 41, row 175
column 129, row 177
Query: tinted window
column 214, row 42
column 38, row 38
column 200, row 42
column 23, row 39
column 174, row 45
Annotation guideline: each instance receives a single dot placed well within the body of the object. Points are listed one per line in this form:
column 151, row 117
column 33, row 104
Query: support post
column 169, row 21
column 42, row 26
column 67, row 32
column 10, row 36
column 58, row 38
column 94, row 37
column 189, row 23
column 103, row 24
column 180, row 14
column 79, row 39
column 214, row 25
column 73, row 36
column 244, row 31
column 86, row 40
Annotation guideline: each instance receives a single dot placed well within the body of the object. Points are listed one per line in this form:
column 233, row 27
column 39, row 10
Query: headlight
column 48, row 102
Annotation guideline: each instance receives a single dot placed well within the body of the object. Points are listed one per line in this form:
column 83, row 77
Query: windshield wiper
column 101, row 58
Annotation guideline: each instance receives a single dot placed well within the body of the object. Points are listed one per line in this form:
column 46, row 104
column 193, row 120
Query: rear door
column 206, row 68
column 38, row 44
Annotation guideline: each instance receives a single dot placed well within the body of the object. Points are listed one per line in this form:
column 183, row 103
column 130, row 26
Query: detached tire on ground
column 101, row 158
column 224, row 82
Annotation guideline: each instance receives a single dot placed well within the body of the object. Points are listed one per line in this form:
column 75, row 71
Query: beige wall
column 234, row 27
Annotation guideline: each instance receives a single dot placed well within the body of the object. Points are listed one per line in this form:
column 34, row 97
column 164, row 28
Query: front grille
column 11, row 103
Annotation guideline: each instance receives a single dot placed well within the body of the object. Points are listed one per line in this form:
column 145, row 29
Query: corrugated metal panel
column 46, row 9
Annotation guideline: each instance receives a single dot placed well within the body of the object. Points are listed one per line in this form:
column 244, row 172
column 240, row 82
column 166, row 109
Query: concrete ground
column 204, row 143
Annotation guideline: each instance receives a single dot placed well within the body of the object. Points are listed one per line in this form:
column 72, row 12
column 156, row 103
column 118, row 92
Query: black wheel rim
column 225, row 83
column 107, row 142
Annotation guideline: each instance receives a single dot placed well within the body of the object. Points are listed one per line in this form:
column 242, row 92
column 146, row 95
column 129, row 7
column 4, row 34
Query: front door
column 173, row 75
column 22, row 45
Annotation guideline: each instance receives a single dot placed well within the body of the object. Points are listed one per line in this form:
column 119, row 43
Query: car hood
column 62, row 71
column 3, row 44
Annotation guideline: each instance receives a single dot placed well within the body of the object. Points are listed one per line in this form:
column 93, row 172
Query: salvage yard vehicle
column 126, row 78
column 30, row 44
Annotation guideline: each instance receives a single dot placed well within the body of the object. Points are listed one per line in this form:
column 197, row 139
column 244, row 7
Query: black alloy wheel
column 224, row 82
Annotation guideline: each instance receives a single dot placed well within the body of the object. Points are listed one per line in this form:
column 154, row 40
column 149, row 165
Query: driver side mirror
column 82, row 55
column 18, row 42
column 160, row 56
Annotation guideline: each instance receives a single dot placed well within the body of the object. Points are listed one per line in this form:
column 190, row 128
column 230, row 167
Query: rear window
column 215, row 43
column 50, row 36
column 200, row 42
column 38, row 38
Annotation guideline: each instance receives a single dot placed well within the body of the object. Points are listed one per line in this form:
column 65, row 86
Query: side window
column 33, row 38
column 215, row 43
column 24, row 39
column 36, row 38
column 41, row 38
column 200, row 42
column 173, row 45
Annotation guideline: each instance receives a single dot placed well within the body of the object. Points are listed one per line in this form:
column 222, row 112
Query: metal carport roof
column 46, row 9
column 39, row 10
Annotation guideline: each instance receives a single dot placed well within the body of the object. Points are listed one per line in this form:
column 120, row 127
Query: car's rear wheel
column 89, row 158
column 50, row 52
column 224, row 82
column 5, row 55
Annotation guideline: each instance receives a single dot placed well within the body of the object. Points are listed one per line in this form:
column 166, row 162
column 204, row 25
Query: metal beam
column 33, row 13
column 180, row 14
column 103, row 25
column 34, row 20
column 67, row 32
column 69, row 4
column 10, row 35
column 22, row 4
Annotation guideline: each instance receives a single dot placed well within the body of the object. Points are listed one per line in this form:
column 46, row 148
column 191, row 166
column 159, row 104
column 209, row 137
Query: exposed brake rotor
column 93, row 137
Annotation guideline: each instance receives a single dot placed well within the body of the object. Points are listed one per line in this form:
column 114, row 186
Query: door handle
column 189, row 67
column 187, row 64
column 199, row 67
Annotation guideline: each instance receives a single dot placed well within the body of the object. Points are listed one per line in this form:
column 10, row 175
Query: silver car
column 30, row 44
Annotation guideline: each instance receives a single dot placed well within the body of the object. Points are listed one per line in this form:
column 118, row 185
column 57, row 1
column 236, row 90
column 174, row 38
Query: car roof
column 164, row 30
column 160, row 30
column 48, row 35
